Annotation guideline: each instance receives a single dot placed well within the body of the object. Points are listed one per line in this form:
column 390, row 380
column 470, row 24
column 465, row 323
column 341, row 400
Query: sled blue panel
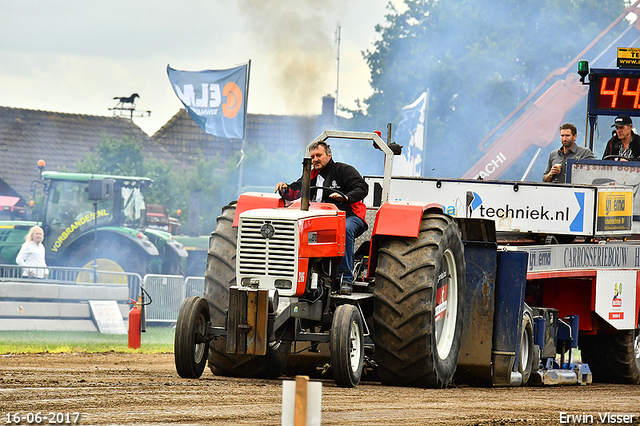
column 511, row 279
column 568, row 331
column 474, row 361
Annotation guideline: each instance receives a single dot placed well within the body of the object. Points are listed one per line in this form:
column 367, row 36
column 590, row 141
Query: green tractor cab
column 89, row 217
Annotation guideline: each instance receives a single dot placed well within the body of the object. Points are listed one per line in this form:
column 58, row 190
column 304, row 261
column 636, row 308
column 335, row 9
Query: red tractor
column 462, row 286
column 271, row 282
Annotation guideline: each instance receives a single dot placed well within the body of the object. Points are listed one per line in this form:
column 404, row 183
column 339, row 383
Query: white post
column 301, row 402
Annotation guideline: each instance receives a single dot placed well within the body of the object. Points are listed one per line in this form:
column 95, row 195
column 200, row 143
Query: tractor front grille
column 260, row 253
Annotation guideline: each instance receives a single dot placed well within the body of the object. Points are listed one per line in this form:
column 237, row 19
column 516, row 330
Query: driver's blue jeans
column 355, row 227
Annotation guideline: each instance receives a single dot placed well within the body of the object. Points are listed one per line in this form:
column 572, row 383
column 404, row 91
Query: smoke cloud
column 301, row 39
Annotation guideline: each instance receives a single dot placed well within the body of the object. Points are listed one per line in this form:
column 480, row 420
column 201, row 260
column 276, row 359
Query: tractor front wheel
column 190, row 346
column 347, row 346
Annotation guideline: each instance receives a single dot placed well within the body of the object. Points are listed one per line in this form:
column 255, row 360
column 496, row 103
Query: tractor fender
column 400, row 220
column 177, row 248
column 126, row 236
column 164, row 241
column 12, row 235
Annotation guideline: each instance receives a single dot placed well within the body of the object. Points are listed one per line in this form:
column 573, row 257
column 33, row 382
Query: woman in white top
column 32, row 254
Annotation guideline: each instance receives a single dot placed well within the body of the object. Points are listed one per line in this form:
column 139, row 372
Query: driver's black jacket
column 339, row 176
column 614, row 146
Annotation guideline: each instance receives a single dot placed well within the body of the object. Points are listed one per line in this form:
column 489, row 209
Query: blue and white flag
column 410, row 134
column 215, row 99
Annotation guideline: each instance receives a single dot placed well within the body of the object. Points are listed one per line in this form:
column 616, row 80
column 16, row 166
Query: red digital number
column 613, row 93
column 635, row 94
column 620, row 96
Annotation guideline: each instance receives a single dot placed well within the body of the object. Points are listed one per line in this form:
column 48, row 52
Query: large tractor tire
column 613, row 358
column 113, row 255
column 418, row 305
column 190, row 347
column 218, row 277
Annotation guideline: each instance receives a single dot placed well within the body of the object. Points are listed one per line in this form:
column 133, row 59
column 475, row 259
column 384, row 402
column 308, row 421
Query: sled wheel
column 418, row 307
column 218, row 277
column 190, row 346
column 613, row 358
column 527, row 358
column 347, row 346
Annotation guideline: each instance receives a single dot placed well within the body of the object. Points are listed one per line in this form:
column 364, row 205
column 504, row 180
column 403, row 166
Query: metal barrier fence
column 66, row 275
column 193, row 286
column 167, row 293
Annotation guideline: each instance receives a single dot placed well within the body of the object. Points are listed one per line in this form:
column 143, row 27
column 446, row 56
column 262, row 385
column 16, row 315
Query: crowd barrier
column 167, row 293
column 60, row 298
column 63, row 294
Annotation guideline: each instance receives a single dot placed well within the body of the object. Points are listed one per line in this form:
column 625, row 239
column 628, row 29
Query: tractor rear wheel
column 347, row 346
column 613, row 358
column 190, row 347
column 113, row 255
column 218, row 277
column 418, row 304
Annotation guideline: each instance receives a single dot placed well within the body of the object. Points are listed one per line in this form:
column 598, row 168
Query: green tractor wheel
column 113, row 256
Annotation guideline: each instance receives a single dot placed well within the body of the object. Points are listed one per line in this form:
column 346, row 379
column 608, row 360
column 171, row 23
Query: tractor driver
column 625, row 143
column 329, row 174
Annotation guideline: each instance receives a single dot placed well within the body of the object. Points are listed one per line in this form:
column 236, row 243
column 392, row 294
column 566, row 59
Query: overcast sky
column 75, row 56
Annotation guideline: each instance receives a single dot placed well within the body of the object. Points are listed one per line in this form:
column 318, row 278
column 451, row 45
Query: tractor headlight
column 250, row 282
column 285, row 284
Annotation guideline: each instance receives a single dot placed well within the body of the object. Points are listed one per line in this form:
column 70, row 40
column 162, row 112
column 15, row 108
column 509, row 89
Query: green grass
column 154, row 340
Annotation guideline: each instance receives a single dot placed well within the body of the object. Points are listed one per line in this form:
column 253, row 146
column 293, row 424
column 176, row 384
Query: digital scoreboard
column 614, row 92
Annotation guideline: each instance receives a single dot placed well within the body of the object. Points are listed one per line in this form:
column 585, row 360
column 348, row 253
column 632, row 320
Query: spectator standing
column 32, row 253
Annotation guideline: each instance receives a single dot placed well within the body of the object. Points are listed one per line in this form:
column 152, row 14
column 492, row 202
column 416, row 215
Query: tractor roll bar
column 377, row 140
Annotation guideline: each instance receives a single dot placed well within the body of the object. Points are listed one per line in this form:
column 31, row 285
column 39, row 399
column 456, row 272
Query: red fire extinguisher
column 134, row 324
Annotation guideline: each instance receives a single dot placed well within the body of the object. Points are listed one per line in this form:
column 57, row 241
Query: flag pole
column 244, row 136
column 424, row 136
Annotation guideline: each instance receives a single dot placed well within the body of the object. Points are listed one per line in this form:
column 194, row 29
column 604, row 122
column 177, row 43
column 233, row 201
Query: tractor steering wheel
column 615, row 157
column 332, row 190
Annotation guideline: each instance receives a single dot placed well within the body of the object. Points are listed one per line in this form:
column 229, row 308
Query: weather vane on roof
column 127, row 106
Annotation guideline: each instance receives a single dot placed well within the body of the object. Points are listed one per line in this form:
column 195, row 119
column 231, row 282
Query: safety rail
column 193, row 286
column 167, row 293
column 67, row 275
column 62, row 298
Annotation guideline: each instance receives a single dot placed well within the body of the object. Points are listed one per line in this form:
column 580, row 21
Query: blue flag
column 215, row 99
column 410, row 135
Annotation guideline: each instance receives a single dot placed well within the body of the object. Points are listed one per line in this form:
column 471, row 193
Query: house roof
column 183, row 138
column 60, row 139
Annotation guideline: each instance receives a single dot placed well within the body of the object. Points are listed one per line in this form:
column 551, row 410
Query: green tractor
column 88, row 218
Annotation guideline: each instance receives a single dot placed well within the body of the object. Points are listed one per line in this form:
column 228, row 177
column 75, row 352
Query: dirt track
column 127, row 389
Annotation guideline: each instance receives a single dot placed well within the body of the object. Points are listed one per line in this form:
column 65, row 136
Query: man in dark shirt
column 624, row 143
column 329, row 175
